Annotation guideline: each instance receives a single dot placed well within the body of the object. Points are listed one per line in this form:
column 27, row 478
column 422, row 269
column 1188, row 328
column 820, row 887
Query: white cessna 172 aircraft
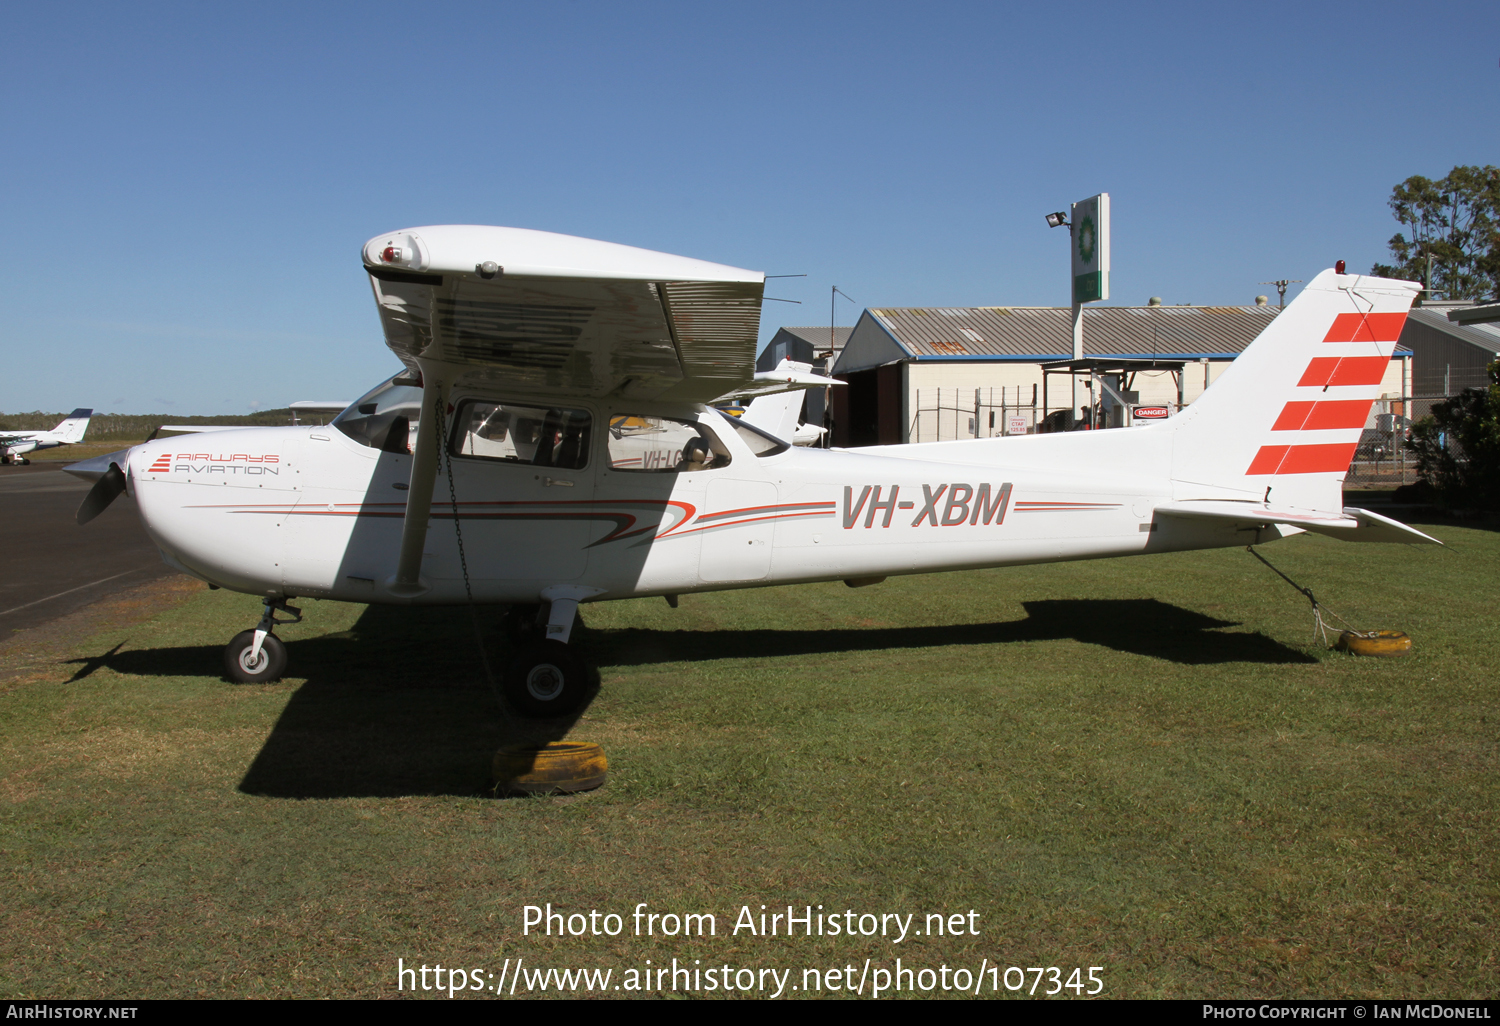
column 549, row 442
column 14, row 445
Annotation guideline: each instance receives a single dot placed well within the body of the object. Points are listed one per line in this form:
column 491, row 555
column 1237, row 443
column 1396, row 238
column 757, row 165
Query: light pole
column 1059, row 219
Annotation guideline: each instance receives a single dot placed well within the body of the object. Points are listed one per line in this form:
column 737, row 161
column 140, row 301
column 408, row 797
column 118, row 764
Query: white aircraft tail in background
column 781, row 414
column 14, row 445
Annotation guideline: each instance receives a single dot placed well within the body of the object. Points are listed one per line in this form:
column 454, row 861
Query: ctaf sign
column 1091, row 249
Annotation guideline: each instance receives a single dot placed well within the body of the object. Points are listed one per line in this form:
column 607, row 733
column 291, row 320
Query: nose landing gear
column 258, row 656
column 546, row 678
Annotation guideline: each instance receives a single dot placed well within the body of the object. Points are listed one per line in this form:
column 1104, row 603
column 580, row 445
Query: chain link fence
column 945, row 414
column 1382, row 458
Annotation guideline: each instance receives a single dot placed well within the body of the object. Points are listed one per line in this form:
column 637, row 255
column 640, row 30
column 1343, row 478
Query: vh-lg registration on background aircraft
column 550, row 442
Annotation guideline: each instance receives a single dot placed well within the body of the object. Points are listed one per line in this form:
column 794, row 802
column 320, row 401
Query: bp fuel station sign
column 1091, row 249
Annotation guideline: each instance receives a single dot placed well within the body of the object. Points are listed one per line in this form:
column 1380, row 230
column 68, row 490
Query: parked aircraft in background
column 781, row 414
column 299, row 408
column 14, row 445
column 319, row 408
column 551, row 441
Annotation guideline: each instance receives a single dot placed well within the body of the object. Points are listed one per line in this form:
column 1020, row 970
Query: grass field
column 1142, row 765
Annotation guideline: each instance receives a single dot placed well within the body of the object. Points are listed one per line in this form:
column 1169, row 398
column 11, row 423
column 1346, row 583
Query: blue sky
column 186, row 186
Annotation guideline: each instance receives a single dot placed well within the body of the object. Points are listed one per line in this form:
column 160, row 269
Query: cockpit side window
column 662, row 445
column 535, row 436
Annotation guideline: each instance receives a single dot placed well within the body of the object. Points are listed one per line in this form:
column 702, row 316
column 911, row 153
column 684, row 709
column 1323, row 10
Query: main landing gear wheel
column 268, row 665
column 547, row 679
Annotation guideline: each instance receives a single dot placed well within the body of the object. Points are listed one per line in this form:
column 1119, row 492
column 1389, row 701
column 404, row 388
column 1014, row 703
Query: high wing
column 534, row 313
column 556, row 315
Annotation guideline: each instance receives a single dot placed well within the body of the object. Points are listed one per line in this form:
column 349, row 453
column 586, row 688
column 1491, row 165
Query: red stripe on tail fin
column 1292, row 416
column 1375, row 327
column 1318, row 459
column 1268, row 459
column 1303, row 459
column 1350, row 370
column 1328, row 415
column 1338, row 413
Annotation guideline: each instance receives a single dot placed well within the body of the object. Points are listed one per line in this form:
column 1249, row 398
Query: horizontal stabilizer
column 1351, row 524
column 787, row 377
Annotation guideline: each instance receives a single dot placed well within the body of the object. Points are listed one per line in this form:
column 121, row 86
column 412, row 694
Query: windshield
column 386, row 418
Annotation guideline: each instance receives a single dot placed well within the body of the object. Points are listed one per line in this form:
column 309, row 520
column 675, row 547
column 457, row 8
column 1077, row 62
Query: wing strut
column 407, row 582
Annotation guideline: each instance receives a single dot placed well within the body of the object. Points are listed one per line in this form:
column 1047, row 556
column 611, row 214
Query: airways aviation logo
column 950, row 505
column 238, row 463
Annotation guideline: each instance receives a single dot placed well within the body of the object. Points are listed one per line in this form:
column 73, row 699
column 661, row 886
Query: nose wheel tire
column 547, row 679
column 268, row 665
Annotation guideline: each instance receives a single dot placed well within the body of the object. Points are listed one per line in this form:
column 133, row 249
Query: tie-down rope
column 1320, row 629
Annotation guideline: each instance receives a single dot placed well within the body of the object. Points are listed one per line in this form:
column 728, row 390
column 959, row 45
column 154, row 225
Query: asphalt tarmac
column 49, row 565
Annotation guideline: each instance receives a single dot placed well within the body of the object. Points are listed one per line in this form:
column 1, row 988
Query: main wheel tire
column 268, row 666
column 547, row 679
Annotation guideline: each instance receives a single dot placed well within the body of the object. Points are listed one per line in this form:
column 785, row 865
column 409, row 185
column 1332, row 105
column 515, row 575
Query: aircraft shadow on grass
column 399, row 705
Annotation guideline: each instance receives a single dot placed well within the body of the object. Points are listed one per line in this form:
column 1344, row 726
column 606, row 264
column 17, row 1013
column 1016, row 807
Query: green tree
column 1454, row 245
column 1458, row 447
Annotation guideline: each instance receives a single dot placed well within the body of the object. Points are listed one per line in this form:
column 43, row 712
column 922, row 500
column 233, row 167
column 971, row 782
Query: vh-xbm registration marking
column 959, row 504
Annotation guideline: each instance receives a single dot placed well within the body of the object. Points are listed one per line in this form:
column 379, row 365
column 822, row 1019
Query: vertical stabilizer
column 72, row 429
column 1288, row 413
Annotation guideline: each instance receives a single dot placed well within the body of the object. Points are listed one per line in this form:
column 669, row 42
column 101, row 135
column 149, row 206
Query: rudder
column 1283, row 422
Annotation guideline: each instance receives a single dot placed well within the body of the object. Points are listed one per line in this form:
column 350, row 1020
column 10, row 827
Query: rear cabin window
column 661, row 445
column 533, row 435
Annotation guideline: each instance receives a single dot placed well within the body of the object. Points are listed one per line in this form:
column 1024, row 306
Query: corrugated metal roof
column 818, row 336
column 1045, row 332
column 1484, row 336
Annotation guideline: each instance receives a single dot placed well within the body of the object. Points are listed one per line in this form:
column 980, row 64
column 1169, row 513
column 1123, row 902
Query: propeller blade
column 109, row 486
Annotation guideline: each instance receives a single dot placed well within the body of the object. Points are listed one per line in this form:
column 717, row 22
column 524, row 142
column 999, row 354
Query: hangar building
column 921, row 374
column 1447, row 357
column 813, row 345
